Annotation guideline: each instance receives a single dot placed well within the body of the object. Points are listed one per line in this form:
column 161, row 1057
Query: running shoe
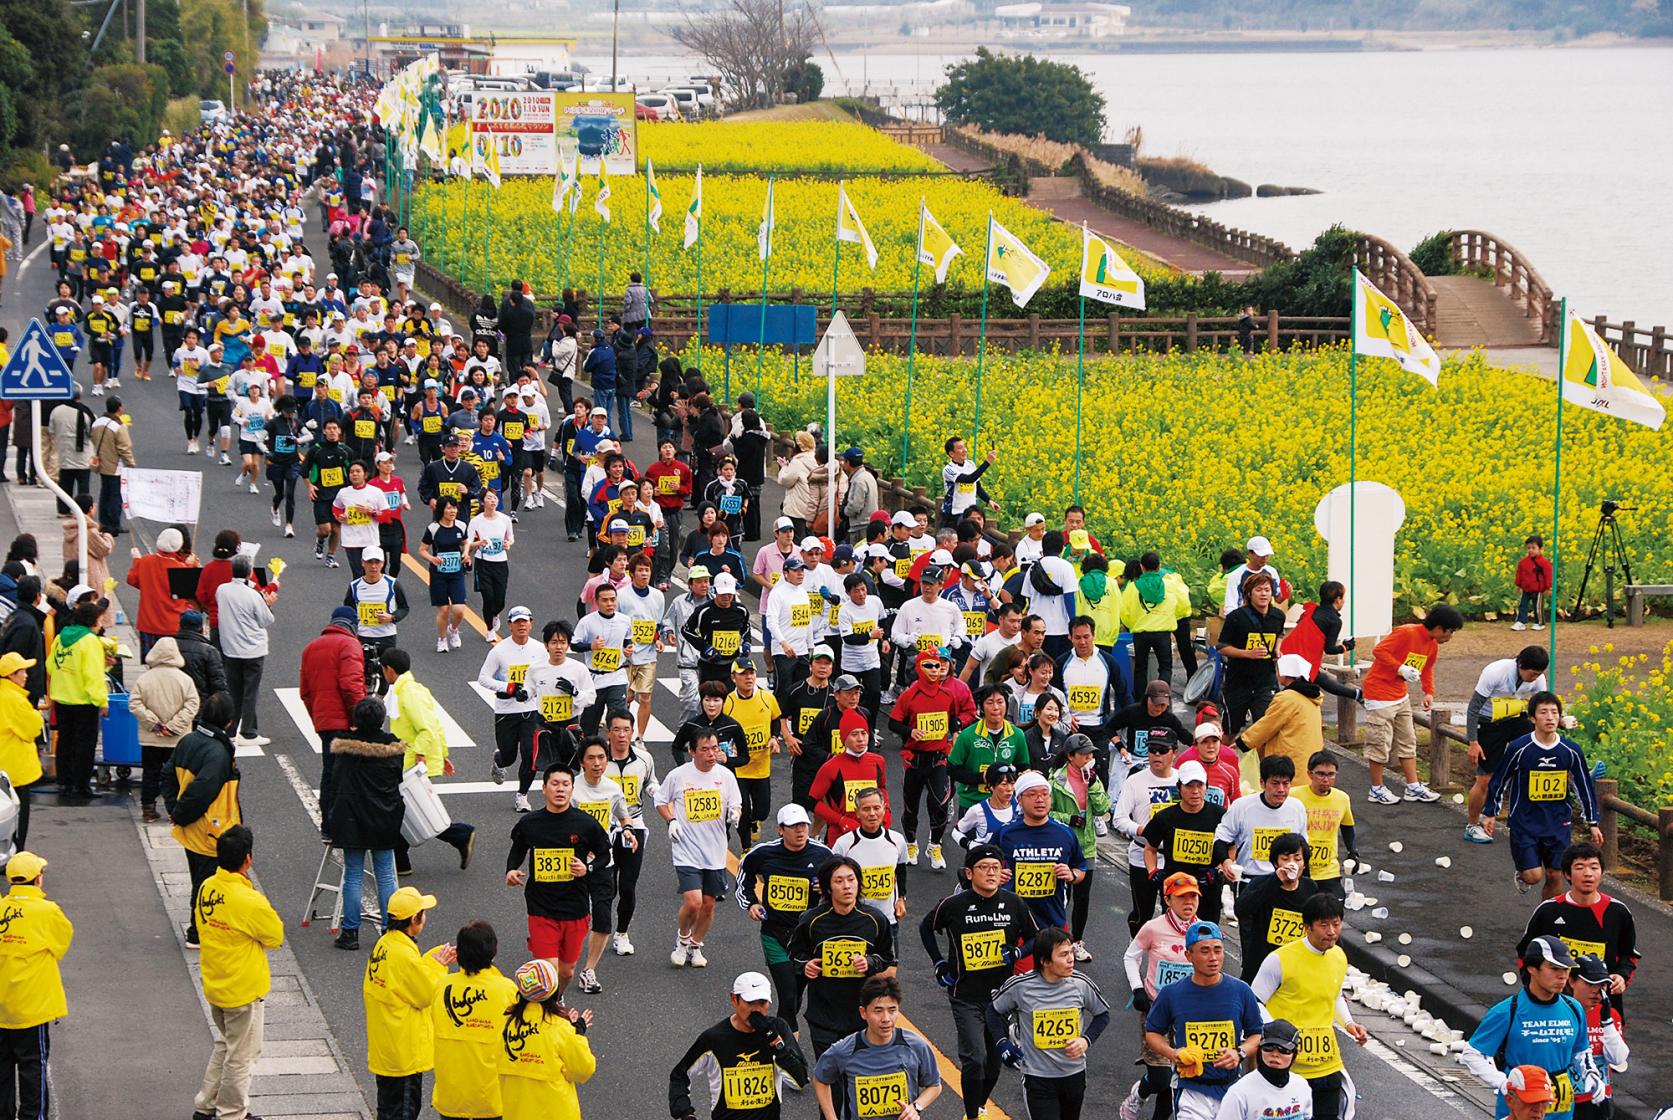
column 1539, row 626
column 912, row 854
column 1522, row 885
column 113, row 382
column 1417, row 791
column 1082, row 953
column 453, row 639
column 695, row 957
column 331, row 560
column 319, row 549
column 522, row 803
column 1382, row 795
column 191, row 447
column 239, row 481
column 1132, row 1103
column 587, row 980
column 441, row 645
column 682, row 951
column 98, row 390
column 254, row 489
column 290, row 531
column 496, row 772
column 1475, row 834
column 1517, row 626
column 935, row 861
column 275, row 518
column 622, row 946
column 225, row 462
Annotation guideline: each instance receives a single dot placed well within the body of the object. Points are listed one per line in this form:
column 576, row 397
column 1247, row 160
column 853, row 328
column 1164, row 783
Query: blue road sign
column 36, row 371
column 737, row 324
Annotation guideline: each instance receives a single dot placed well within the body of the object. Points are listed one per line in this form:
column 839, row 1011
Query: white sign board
column 522, row 126
column 169, row 497
column 1376, row 516
column 839, row 352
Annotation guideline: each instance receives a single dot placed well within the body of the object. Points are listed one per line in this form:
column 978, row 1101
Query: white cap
column 371, row 552
column 725, row 584
column 793, row 814
column 752, row 987
column 519, row 614
column 1033, row 519
column 905, row 519
column 1031, row 779
column 1207, row 729
column 77, row 592
column 877, row 551
column 384, row 457
column 170, row 540
column 782, row 524
column 1260, row 546
column 810, row 543
column 1294, row 666
column 98, row 298
column 435, row 307
column 941, row 556
column 1192, row 771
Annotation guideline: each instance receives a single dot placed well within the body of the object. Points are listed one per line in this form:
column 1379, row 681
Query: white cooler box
column 426, row 817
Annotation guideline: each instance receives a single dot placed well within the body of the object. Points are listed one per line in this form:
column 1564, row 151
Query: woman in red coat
column 159, row 611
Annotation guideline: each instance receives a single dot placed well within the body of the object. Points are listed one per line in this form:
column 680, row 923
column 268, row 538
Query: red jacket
column 215, row 573
column 950, row 701
column 333, row 678
column 159, row 612
column 682, row 481
column 830, row 790
column 1533, row 574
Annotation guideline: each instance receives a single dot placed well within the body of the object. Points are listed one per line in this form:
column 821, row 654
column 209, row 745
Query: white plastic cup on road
column 1438, row 1049
column 1405, row 939
column 1354, row 901
column 1509, row 978
column 1385, row 876
column 1466, row 932
column 1402, row 960
column 1396, row 847
column 1372, row 937
column 1443, row 861
column 1380, row 912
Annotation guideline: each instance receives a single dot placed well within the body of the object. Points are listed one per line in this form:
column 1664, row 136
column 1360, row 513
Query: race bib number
column 220, row 385
column 1034, row 880
column 635, row 536
column 804, row 719
column 517, row 674
column 731, row 504
column 975, row 623
column 1583, row 948
column 371, row 614
column 929, row 643
column 644, row 631
column 863, row 627
column 1317, row 1049
column 513, row 430
column 307, row 378
column 668, row 484
column 1508, row 707
column 967, row 488
column 331, row 476
column 403, row 259
column 1266, row 642
column 837, row 957
column 831, row 616
column 448, row 562
column 749, row 1086
column 174, row 318
column 773, row 578
column 1211, row 1037
column 877, row 883
column 1085, row 697
column 284, row 445
column 1171, row 972
column 1548, row 785
column 189, row 370
column 903, row 567
column 356, row 515
column 597, row 810
column 142, row 324
column 932, row 725
column 801, row 614
column 490, row 470
column 702, row 805
column 388, row 392
column 786, row 893
column 1284, row 927
column 606, row 660
column 1192, row 847
column 365, row 429
column 494, row 547
column 630, row 789
column 1056, row 1027
column 1161, row 798
column 451, row 489
column 726, row 642
column 1416, row 661
column 852, row 788
column 755, row 739
column 551, row 865
column 335, row 394
column 880, row 1094
column 1562, row 1087
column 557, row 707
column 982, row 950
column 1261, row 847
column 432, row 425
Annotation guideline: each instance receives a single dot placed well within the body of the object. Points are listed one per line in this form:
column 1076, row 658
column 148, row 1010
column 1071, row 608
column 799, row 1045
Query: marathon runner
column 1538, row 775
column 1588, row 921
column 852, row 771
column 601, row 798
column 1043, row 858
column 700, row 801
column 743, row 1058
column 1537, row 1026
column 1206, row 1025
column 839, row 945
column 1154, row 959
column 1497, row 715
column 1046, row 1020
column 632, row 769
column 1180, row 840
column 778, row 882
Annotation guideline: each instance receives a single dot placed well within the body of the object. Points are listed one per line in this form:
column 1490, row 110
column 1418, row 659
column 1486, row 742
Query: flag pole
column 599, row 299
column 1557, row 481
column 830, row 391
column 1080, row 379
column 912, row 346
column 699, row 290
column 647, row 223
column 982, row 344
column 768, row 220
column 487, row 231
column 1353, row 457
column 836, row 262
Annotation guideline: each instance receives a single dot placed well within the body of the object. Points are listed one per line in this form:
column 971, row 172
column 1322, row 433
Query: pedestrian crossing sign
column 36, row 371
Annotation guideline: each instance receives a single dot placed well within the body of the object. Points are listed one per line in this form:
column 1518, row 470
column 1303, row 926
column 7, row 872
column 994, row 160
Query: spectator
column 20, row 732
column 246, row 614
column 71, row 425
column 200, row 791
column 861, row 500
column 1533, row 579
column 1293, row 725
column 636, row 303
column 78, row 691
column 215, row 573
column 801, row 477
column 25, row 635
column 517, row 316
column 365, row 810
column 159, row 611
column 333, row 676
column 100, row 544
column 203, row 661
column 37, row 937
column 164, row 703
column 113, row 449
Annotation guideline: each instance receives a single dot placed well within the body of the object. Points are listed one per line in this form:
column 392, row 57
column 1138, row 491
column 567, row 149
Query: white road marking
column 450, row 788
column 304, row 791
column 655, row 732
column 291, row 699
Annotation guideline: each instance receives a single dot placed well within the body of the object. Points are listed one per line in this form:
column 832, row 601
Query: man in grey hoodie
column 636, row 304
column 246, row 612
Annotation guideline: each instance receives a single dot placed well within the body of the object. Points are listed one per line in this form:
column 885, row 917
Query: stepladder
column 328, row 880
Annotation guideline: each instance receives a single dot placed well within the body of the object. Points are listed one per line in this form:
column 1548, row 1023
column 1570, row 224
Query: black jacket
column 516, row 322
column 366, row 807
column 203, row 663
column 25, row 633
column 208, row 755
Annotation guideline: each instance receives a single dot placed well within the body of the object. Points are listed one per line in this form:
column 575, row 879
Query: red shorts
column 557, row 940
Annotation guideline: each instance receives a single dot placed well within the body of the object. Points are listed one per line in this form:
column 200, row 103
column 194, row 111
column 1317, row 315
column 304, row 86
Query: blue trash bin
column 119, row 734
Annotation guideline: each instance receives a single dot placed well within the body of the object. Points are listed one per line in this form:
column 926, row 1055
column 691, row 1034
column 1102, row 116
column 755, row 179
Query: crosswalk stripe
column 655, row 732
column 291, row 699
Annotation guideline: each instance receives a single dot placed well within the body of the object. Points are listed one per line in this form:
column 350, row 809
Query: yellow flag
column 488, row 155
column 1013, row 264
column 849, row 226
column 601, row 202
column 1381, row 330
column 934, row 246
column 1104, row 276
column 1596, row 377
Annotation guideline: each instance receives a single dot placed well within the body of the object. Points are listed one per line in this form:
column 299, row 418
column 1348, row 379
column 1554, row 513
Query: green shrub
column 1434, row 256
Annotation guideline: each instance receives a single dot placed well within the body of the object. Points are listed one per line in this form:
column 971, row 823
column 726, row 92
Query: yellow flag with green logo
column 1596, row 377
column 849, row 226
column 1104, row 276
column 1382, row 330
column 1013, row 264
column 934, row 246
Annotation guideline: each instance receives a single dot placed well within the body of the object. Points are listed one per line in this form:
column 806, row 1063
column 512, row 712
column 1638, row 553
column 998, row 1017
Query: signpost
column 37, row 372
column 838, row 354
column 232, row 92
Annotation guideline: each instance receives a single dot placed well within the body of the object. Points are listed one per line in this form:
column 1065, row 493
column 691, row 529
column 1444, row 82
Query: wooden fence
column 1650, row 352
column 1393, row 272
column 1473, row 250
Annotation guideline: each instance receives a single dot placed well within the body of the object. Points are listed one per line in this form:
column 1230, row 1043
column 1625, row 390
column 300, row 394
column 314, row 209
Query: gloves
column 1141, row 1000
column 1011, row 954
column 734, row 814
column 1157, row 876
column 767, row 1031
column 1009, row 1052
column 1409, row 673
column 563, row 685
column 944, row 974
column 674, row 830
column 516, row 692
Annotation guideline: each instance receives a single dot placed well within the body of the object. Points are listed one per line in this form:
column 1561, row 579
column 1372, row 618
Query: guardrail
column 1473, row 250
column 1392, row 271
column 1650, row 352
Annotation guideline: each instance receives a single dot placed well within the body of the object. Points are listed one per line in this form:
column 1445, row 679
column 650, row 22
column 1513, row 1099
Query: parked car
column 686, row 99
column 664, row 106
column 210, row 111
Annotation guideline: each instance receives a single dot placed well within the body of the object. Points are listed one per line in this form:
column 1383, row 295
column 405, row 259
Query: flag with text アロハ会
column 1382, row 330
column 935, row 246
column 1014, row 264
column 601, row 201
column 1596, row 377
column 1104, row 276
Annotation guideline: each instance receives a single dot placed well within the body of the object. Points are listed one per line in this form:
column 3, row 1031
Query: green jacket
column 1063, row 807
column 1161, row 617
column 974, row 750
column 76, row 668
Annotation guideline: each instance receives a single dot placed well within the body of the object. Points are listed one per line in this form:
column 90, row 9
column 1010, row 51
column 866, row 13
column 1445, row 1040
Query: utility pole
column 615, row 33
column 139, row 32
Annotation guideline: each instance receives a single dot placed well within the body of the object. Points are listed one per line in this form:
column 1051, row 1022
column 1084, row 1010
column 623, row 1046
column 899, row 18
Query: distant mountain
column 1570, row 17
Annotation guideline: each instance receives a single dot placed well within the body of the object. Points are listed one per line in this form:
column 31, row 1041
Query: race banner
column 599, row 126
column 522, row 126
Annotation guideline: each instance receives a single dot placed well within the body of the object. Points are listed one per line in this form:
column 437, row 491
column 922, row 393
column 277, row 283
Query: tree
column 755, row 46
column 126, row 100
column 805, row 80
column 1023, row 95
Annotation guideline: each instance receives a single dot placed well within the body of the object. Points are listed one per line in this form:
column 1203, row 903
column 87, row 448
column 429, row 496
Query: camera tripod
column 1608, row 540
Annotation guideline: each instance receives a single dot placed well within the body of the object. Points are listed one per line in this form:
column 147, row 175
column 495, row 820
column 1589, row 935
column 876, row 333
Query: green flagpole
column 1557, row 481
column 770, row 217
column 487, row 227
column 912, row 347
column 982, row 345
column 569, row 244
column 647, row 224
column 602, row 226
column 1353, row 456
column 836, row 262
column 699, row 290
column 1080, row 390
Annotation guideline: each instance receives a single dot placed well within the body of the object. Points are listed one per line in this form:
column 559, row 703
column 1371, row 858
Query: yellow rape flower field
column 779, row 146
column 527, row 242
column 1625, row 709
column 1191, row 454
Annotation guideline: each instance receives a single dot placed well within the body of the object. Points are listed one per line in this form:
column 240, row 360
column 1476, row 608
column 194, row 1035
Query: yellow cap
column 11, row 661
column 25, row 867
column 407, row 901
